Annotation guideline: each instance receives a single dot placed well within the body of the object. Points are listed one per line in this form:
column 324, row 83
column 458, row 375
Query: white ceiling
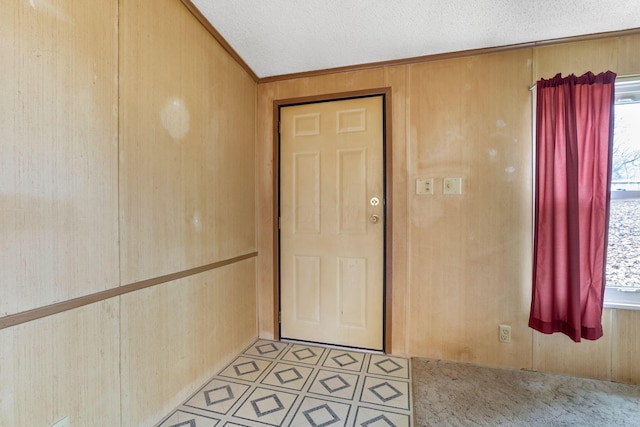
column 276, row 37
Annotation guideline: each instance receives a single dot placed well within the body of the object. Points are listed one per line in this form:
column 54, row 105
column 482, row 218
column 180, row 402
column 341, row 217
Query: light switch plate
column 452, row 186
column 424, row 186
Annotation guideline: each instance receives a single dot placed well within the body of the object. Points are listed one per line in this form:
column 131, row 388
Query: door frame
column 385, row 92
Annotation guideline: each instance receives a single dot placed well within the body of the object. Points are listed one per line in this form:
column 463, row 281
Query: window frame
column 627, row 90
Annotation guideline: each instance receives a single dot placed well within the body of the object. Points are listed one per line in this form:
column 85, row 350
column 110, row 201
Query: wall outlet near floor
column 504, row 333
column 62, row 423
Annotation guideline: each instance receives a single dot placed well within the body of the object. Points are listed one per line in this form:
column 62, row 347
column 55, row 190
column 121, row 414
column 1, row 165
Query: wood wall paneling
column 470, row 118
column 332, row 83
column 266, row 213
column 467, row 259
column 65, row 365
column 187, row 198
column 396, row 77
column 188, row 179
column 59, row 307
column 187, row 142
column 218, row 37
column 58, row 157
column 557, row 353
column 183, row 140
column 177, row 335
column 575, row 58
column 628, row 58
column 625, row 346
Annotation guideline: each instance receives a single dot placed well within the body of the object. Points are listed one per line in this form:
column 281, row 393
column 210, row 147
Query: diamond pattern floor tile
column 386, row 392
column 288, row 376
column 286, row 384
column 317, row 413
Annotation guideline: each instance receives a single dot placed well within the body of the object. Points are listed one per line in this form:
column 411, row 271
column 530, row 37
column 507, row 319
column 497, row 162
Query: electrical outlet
column 504, row 334
column 62, row 423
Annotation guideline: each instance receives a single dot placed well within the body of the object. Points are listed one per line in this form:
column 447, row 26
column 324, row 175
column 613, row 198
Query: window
column 623, row 253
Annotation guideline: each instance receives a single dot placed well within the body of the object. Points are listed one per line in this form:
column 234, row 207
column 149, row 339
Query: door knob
column 374, row 201
column 374, row 218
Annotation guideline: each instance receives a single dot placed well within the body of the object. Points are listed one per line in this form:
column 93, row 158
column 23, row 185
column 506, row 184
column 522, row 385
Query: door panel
column 331, row 251
column 352, row 287
column 306, row 288
column 352, row 190
column 306, row 193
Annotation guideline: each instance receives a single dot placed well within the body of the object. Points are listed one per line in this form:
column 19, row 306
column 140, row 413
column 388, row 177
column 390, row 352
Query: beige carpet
column 455, row 394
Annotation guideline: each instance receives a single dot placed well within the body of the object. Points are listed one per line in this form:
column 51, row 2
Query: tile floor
column 285, row 384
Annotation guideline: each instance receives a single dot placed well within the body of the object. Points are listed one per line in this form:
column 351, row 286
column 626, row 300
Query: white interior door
column 332, row 222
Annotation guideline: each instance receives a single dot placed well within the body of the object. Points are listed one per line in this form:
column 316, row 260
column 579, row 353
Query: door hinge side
column 279, row 223
column 279, row 317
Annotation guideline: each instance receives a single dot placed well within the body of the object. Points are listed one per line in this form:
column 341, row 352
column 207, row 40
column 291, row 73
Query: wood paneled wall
column 470, row 118
column 178, row 335
column 462, row 264
column 58, row 158
column 127, row 153
column 187, row 136
column 62, row 366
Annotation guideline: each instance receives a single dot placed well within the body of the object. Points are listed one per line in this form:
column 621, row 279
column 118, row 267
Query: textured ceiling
column 276, row 37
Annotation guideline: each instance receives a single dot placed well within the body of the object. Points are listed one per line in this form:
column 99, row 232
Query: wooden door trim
column 385, row 92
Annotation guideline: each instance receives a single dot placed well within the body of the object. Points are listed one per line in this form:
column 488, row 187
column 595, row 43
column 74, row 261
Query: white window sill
column 622, row 298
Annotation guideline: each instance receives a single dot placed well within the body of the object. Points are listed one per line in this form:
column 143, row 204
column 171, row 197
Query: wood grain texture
column 58, row 157
column 334, row 83
column 576, row 58
column 628, row 58
column 180, row 151
column 178, row 335
column 625, row 346
column 266, row 214
column 187, row 198
column 66, row 365
column 467, row 260
column 468, row 254
column 70, row 304
column 218, row 37
column 187, row 139
column 557, row 353
column 395, row 77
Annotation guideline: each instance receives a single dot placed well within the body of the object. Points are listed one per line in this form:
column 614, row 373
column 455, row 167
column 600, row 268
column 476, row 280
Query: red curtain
column 574, row 139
